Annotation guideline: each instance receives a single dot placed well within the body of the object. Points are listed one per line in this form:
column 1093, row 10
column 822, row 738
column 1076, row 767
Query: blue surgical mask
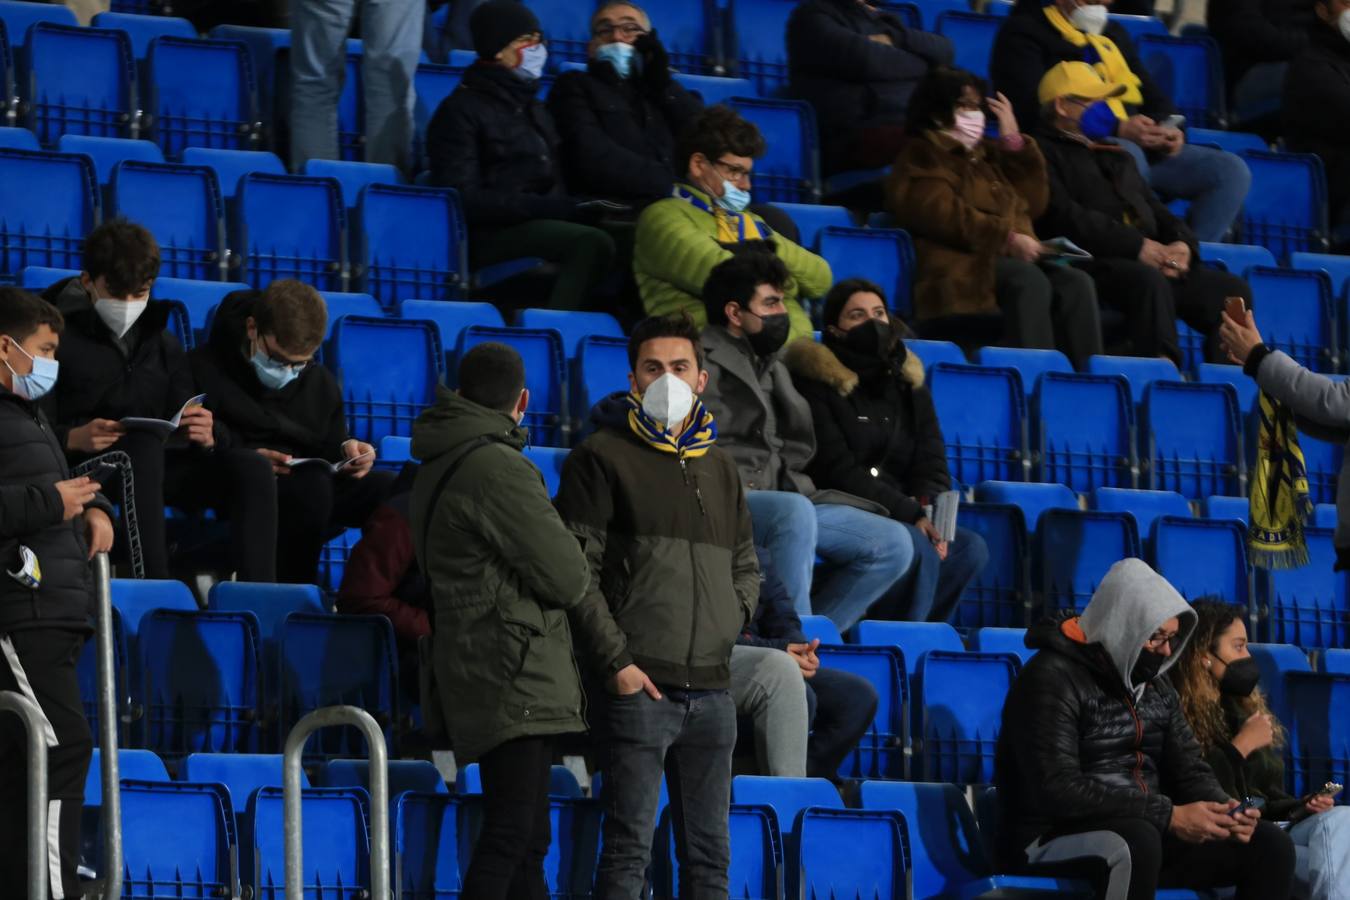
column 733, row 199
column 272, row 374
column 532, row 61
column 619, row 55
column 37, row 383
column 1099, row 122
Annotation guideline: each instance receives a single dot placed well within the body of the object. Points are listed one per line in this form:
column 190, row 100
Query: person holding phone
column 1218, row 683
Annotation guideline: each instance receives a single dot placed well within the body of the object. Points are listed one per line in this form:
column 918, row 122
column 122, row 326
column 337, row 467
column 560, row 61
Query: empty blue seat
column 293, row 226
column 756, row 854
column 1334, row 264
column 1286, row 207
column 19, row 15
column 12, row 138
column 1145, row 506
column 432, row 83
column 241, row 773
column 107, row 152
column 1138, row 371
column 931, row 353
column 199, row 297
column 810, row 218
column 1084, row 430
column 1319, row 744
column 412, row 244
column 541, row 349
column 232, row 165
column 134, row 599
column 1030, row 364
column 549, row 461
column 97, row 97
column 572, row 325
column 451, row 317
column 788, row 798
column 1236, row 258
column 914, row 640
column 138, row 765
column 390, row 369
column 1188, row 70
column 1001, row 640
column 201, row 95
column 1033, row 498
column 1227, row 508
column 1322, row 461
column 790, row 167
column 335, row 845
column 342, row 303
column 203, row 681
column 760, row 41
column 177, row 840
column 417, row 775
column 961, row 698
column 983, row 416
column 1232, row 141
column 1296, row 315
column 431, row 847
column 693, row 33
column 1324, row 515
column 602, row 368
column 853, row 853
column 1275, row 660
column 1309, row 606
column 395, row 449
column 1076, row 549
column 142, row 29
column 713, row 89
column 1335, row 661
column 881, row 255
column 1001, row 593
column 48, row 203
column 39, row 278
column 1220, row 373
column 972, row 35
column 353, row 176
column 821, row 627
column 1202, row 557
column 270, row 603
column 86, row 672
column 182, row 207
column 1193, row 435
column 881, row 751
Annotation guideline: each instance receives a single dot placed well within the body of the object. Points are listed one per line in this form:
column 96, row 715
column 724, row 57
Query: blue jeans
column 1322, row 855
column 934, row 586
column 1214, row 181
column 864, row 554
column 391, row 34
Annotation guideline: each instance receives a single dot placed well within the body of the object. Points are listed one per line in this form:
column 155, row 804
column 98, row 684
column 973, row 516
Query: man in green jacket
column 659, row 510
column 503, row 571
column 681, row 238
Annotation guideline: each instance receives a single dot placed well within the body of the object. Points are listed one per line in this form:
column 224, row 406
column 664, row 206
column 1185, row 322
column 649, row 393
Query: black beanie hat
column 497, row 23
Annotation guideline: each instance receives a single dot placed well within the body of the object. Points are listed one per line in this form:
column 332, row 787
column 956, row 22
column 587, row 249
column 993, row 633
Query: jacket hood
column 1128, row 606
column 811, row 359
column 453, row 421
column 611, row 411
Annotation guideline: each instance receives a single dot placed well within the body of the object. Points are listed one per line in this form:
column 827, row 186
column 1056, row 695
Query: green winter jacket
column 677, row 246
column 503, row 571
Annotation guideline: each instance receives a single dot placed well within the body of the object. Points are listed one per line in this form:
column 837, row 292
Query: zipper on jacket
column 693, row 614
column 1138, row 746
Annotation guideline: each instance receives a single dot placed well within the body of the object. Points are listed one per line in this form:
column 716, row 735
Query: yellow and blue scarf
column 1105, row 57
column 695, row 440
column 1280, row 505
column 732, row 228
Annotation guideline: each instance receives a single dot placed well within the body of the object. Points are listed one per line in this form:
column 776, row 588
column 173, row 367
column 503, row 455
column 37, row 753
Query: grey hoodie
column 1128, row 606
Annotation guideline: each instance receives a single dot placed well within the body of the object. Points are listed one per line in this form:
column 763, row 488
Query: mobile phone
column 1248, row 803
column 1173, row 121
column 1236, row 309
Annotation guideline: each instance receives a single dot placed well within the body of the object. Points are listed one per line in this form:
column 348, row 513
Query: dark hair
column 22, row 313
column 492, row 375
column 931, row 104
column 122, row 253
column 717, row 130
column 293, row 313
column 842, row 290
column 654, row 327
column 736, row 279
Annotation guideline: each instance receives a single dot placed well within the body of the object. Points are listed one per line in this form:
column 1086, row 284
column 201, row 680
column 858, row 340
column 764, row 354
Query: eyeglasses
column 282, row 362
column 1159, row 638
column 627, row 30
column 734, row 171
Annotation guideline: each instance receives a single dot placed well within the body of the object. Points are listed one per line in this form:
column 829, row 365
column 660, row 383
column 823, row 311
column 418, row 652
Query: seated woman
column 1216, row 679
column 877, row 437
column 969, row 202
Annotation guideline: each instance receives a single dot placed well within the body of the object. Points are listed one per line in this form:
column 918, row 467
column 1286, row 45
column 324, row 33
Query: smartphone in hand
column 1236, row 309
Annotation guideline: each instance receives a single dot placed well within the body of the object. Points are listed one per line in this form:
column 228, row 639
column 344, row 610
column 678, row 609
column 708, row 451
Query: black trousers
column 312, row 505
column 840, row 707
column 1049, row 307
column 508, row 862
column 46, row 657
column 1152, row 303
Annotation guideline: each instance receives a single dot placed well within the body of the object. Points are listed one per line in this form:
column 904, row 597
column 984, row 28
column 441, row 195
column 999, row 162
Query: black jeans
column 312, row 504
column 46, row 657
column 690, row 738
column 840, row 707
column 1049, row 307
column 508, row 862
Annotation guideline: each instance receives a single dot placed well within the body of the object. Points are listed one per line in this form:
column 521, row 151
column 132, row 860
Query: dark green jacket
column 674, row 578
column 1261, row 774
column 503, row 571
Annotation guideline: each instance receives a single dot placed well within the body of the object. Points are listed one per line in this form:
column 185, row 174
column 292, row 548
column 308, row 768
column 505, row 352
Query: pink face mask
column 968, row 127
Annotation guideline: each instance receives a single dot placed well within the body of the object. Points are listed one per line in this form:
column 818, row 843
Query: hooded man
column 1098, row 774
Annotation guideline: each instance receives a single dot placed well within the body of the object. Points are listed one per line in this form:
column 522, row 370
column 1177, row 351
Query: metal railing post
column 379, row 796
column 34, row 721
column 108, row 717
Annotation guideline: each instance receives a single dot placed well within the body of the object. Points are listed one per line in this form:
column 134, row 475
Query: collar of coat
column 808, row 358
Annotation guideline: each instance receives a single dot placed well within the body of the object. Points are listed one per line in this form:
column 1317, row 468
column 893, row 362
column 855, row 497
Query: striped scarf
column 1280, row 505
column 691, row 443
column 1105, row 57
column 732, row 228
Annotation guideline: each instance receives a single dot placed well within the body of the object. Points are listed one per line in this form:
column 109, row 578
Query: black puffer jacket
column 1076, row 748
column 1317, row 108
column 495, row 143
column 1258, row 31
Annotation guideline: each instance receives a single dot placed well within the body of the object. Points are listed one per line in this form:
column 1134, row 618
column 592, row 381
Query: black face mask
column 771, row 336
column 1146, row 667
column 1240, row 678
column 872, row 338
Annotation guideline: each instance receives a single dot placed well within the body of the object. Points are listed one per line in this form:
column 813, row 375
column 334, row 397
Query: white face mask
column 1091, row 19
column 668, row 400
column 532, row 61
column 120, row 315
column 1343, row 23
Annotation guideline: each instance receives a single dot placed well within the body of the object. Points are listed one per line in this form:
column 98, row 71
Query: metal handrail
column 108, row 717
column 35, row 722
column 379, row 796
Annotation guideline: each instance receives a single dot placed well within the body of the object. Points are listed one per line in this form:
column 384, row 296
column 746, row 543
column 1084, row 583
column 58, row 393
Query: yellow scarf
column 1280, row 505
column 1105, row 57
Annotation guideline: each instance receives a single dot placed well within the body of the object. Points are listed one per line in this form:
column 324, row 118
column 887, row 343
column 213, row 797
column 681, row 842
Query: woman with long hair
column 1217, row 680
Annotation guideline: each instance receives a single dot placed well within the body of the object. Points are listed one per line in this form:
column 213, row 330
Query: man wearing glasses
column 257, row 371
column 1099, row 776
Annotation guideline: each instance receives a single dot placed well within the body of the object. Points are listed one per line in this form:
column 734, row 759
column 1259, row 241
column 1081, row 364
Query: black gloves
column 655, row 74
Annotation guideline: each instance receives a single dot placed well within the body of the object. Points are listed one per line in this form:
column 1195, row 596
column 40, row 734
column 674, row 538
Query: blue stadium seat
column 1076, row 549
column 182, row 207
column 48, row 203
column 1324, row 515
column 240, row 773
column 788, row 798
column 821, row 627
column 693, row 32
column 1286, row 208
column 931, row 353
column 972, row 34
column 96, row 97
column 39, row 278
column 270, row 603
column 1138, row 26
column 352, row 106
column 761, row 42
column 107, row 152
column 232, row 165
column 1227, row 508
column 334, row 660
column 1084, row 431
column 572, row 325
column 353, row 176
column 416, row 775
column 201, row 94
column 1322, row 460
column 1145, row 506
column 756, row 854
column 432, row 83
column 1319, row 745
column 1219, row 373
column 1275, row 660
column 1334, row 264
column 12, row 138
column 200, row 297
column 1138, row 371
column 412, row 244
column 601, row 369
column 179, row 324
column 984, row 421
column 1030, row 364
column 203, row 681
column 1310, row 605
column 395, row 449
column 1193, row 439
column 1001, row 640
column 545, row 372
column 1033, row 498
column 1335, row 661
column 789, row 170
column 135, row 599
column 390, row 369
column 342, row 303
column 1236, row 258
column 431, row 846
column 143, row 29
column 882, row 255
column 567, row 31
column 853, row 853
column 881, row 752
column 914, row 640
column 293, row 226
column 451, row 317
column 1297, row 315
column 1188, row 70
column 945, row 844
column 1202, row 557
column 178, row 840
column 1232, row 141
column 18, row 16
column 961, row 699
column 811, row 218
column 549, row 461
column 713, row 89
column 139, row 765
column 335, row 845
column 86, row 672
column 1001, row 593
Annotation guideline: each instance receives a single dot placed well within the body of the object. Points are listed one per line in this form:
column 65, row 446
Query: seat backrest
column 1000, row 593
column 107, row 152
column 760, row 42
column 883, row 255
column 1138, row 26
column 412, row 244
column 1194, row 437
column 431, row 845
column 1275, row 660
column 232, row 165
column 19, row 16
column 417, row 775
column 1188, row 71
column 713, row 89
column 39, row 278
column 293, row 226
column 972, row 35
column 1001, row 640
column 790, row 167
column 95, row 97
column 86, row 672
column 134, row 598
column 1297, row 315
column 1228, row 508
column 541, row 349
column 241, row 773
column 881, row 751
column 334, row 844
column 1310, row 605
column 432, row 84
column 389, row 369
column 961, row 696
column 142, row 29
column 602, row 369
column 1202, row 557
column 452, row 316
column 1222, row 373
column 1322, row 461
column 1034, row 498
column 1084, row 427
column 1236, row 258
column 141, row 765
column 549, row 461
column 12, row 138
column 853, row 853
column 344, row 303
column 810, row 218
column 1076, row 549
column 932, row 352
column 914, row 639
column 944, row 841
column 1030, row 364
column 983, row 416
column 182, row 207
column 200, row 297
column 1286, row 207
column 1334, row 264
column 1138, row 371
column 353, row 176
column 270, row 603
column 177, row 840
column 1319, row 732
column 1144, row 506
column 816, row 626
column 786, row 796
column 573, row 326
column 50, row 202
column 202, row 94
column 1335, row 661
